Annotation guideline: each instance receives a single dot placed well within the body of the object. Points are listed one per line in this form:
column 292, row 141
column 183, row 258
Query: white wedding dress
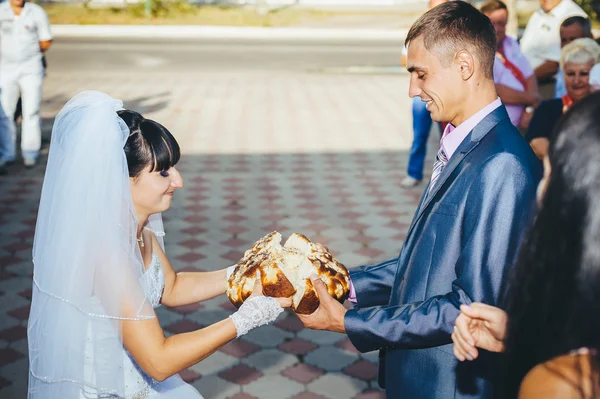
column 138, row 385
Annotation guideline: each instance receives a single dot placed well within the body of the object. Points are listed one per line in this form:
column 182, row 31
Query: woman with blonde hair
column 576, row 61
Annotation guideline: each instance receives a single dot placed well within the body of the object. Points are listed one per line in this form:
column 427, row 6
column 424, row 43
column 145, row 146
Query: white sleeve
column 43, row 26
column 554, row 53
column 595, row 75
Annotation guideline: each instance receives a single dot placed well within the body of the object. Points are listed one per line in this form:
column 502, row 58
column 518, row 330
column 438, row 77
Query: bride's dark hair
column 554, row 293
column 149, row 143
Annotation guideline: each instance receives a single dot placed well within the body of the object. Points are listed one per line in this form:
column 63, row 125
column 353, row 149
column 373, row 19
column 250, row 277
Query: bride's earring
column 141, row 240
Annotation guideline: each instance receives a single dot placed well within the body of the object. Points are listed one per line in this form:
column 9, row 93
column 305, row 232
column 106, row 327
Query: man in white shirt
column 541, row 40
column 24, row 36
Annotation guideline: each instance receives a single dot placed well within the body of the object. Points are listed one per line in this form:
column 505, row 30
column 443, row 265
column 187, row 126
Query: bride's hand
column 258, row 291
column 258, row 310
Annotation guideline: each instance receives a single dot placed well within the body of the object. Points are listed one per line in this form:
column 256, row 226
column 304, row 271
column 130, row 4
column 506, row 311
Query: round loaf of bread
column 285, row 272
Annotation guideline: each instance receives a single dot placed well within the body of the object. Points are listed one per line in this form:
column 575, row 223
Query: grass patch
column 182, row 13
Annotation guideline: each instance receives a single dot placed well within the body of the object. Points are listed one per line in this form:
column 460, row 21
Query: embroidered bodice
column 153, row 281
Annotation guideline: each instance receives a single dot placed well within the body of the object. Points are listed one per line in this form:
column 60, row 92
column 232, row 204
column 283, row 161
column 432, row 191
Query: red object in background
column 443, row 127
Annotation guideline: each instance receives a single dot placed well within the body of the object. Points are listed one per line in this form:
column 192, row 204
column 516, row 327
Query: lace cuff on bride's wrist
column 255, row 312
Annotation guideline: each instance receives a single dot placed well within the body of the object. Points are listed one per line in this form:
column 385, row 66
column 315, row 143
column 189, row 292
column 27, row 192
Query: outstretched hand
column 330, row 313
column 257, row 290
column 478, row 326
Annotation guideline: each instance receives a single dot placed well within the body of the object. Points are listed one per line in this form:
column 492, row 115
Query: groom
column 466, row 231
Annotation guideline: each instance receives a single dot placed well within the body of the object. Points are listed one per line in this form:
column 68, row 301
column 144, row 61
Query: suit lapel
column 468, row 144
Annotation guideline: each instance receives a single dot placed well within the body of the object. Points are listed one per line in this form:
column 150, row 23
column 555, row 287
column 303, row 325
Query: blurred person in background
column 572, row 28
column 595, row 78
column 541, row 40
column 24, row 37
column 577, row 60
column 4, row 129
column 421, row 127
column 550, row 333
column 516, row 83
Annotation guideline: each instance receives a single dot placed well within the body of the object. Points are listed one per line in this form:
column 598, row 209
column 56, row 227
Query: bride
column 100, row 268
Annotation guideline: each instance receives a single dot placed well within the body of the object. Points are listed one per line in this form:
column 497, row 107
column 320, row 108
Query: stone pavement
column 317, row 154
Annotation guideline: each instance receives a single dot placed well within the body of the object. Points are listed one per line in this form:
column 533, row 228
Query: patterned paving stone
column 330, row 358
column 346, row 345
column 12, row 300
column 337, row 386
column 241, row 374
column 189, row 376
column 214, row 363
column 320, row 337
column 371, row 394
column 303, row 373
column 6, row 320
column 274, row 387
column 270, row 361
column 20, row 346
column 362, row 369
column 4, row 382
column 13, row 334
column 240, row 348
column 242, row 395
column 297, row 346
column 373, row 356
column 18, row 379
column 308, row 395
column 8, row 355
column 210, row 316
column 183, row 326
column 268, row 336
column 191, row 308
column 291, row 323
column 214, row 387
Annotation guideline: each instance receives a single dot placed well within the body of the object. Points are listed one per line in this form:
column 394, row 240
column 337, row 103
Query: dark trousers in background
column 421, row 127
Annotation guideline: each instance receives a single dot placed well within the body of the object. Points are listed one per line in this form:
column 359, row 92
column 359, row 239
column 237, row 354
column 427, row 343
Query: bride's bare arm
column 184, row 288
column 162, row 357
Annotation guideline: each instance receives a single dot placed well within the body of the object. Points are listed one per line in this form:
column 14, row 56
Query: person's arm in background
column 549, row 68
column 512, row 96
column 45, row 45
column 532, row 88
column 540, row 146
column 478, row 326
column 546, row 71
column 540, row 129
column 44, row 32
column 529, row 95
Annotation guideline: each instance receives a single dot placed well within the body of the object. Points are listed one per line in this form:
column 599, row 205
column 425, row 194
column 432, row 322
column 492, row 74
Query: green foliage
column 162, row 8
column 591, row 7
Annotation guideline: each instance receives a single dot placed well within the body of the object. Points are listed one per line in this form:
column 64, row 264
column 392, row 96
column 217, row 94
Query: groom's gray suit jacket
column 463, row 238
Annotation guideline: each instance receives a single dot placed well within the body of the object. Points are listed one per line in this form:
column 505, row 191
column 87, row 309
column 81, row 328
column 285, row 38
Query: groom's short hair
column 454, row 26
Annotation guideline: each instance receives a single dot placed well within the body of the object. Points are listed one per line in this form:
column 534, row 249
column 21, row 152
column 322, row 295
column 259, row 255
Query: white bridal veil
column 87, row 263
